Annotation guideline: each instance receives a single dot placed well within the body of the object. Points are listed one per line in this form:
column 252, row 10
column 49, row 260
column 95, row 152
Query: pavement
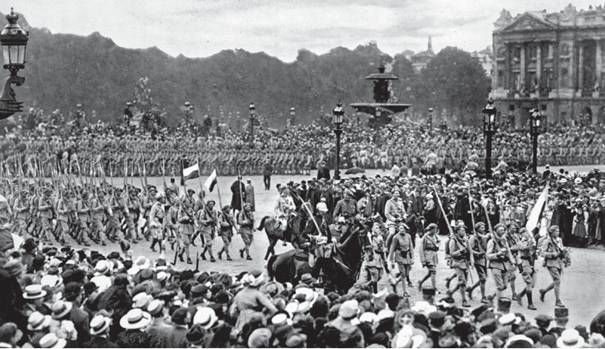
column 582, row 283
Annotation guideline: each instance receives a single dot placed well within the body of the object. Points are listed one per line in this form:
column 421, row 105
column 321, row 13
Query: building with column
column 552, row 61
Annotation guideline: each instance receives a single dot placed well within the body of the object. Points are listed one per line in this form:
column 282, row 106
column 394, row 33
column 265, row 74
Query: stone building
column 421, row 59
column 553, row 61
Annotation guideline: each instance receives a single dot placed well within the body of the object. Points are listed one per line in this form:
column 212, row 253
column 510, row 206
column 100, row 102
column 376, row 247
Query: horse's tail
column 261, row 225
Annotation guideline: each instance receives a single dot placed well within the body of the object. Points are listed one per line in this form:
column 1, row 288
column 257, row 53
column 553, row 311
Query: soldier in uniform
column 82, row 218
column 527, row 257
column 394, row 212
column 428, row 254
column 460, row 260
column 63, row 209
column 513, row 243
column 186, row 226
column 156, row 221
column 22, row 213
column 226, row 225
column 45, row 208
column 554, row 254
column 146, row 204
column 500, row 259
column 208, row 222
column 245, row 220
column 401, row 253
column 98, row 216
column 478, row 245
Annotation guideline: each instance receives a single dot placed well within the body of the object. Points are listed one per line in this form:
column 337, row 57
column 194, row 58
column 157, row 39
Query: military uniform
column 401, row 252
column 226, row 224
column 245, row 220
column 46, row 215
column 156, row 224
column 459, row 255
column 499, row 262
column 208, row 221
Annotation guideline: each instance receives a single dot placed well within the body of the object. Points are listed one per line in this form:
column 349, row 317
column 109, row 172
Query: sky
column 200, row 28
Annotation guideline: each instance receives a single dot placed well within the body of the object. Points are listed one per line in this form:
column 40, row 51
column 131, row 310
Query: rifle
column 468, row 247
column 197, row 261
column 491, row 231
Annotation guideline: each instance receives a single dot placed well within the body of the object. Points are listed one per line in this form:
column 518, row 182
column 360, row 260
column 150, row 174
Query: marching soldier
column 555, row 259
column 185, row 227
column 245, row 220
column 98, row 216
column 478, row 245
column 460, row 260
column 82, row 219
column 156, row 221
column 226, row 225
column 513, row 243
column 22, row 213
column 45, row 212
column 401, row 253
column 527, row 256
column 428, row 254
column 63, row 211
column 208, row 222
column 500, row 259
column 133, row 206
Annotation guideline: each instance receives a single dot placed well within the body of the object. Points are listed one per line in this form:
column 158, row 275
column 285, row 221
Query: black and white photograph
column 293, row 174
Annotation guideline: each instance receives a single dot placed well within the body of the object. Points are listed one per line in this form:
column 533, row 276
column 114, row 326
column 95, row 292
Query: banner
column 191, row 172
column 211, row 181
column 536, row 211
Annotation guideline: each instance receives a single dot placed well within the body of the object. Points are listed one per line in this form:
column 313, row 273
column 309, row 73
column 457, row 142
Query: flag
column 191, row 172
column 536, row 212
column 211, row 181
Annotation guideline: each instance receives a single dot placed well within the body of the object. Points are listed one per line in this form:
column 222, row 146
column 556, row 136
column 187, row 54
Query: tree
column 455, row 80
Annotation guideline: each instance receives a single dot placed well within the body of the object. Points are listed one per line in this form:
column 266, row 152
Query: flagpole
column 218, row 191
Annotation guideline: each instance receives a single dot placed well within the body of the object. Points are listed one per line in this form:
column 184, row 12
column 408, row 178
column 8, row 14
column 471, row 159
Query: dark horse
column 340, row 267
column 293, row 232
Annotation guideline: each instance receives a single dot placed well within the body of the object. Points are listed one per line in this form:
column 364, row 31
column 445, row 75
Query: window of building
column 533, row 53
column 549, row 50
column 500, row 78
column 517, row 54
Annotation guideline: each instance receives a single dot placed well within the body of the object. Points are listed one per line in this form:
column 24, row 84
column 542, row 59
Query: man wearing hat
column 500, row 259
column 429, row 246
column 97, row 213
column 460, row 260
column 346, row 207
column 225, row 230
column 561, row 319
column 45, row 207
column 553, row 252
column 527, row 255
column 394, row 212
column 478, row 245
column 99, row 331
column 245, row 219
column 155, row 221
column 401, row 253
column 186, row 221
column 82, row 210
column 208, row 221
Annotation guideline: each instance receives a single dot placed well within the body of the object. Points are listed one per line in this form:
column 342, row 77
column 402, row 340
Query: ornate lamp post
column 430, row 118
column 13, row 40
column 337, row 118
column 489, row 128
column 252, row 109
column 188, row 111
column 535, row 125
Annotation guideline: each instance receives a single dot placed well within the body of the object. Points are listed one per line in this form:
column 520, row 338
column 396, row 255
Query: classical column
column 539, row 61
column 522, row 67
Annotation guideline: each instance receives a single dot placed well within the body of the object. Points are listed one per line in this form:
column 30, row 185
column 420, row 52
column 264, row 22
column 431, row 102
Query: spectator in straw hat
column 99, row 331
column 133, row 334
column 34, row 298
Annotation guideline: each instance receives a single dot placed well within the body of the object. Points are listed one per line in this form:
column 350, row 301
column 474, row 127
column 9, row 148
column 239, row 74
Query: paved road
column 583, row 282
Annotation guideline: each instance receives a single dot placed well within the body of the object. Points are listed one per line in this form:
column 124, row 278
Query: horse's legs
column 270, row 249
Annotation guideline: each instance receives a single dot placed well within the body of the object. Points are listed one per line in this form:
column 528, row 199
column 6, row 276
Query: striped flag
column 191, row 172
column 211, row 181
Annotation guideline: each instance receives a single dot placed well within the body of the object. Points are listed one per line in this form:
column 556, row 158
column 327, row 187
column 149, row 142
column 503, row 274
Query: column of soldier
column 69, row 208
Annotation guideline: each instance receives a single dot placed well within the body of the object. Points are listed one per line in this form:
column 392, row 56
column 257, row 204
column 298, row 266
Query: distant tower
column 430, row 47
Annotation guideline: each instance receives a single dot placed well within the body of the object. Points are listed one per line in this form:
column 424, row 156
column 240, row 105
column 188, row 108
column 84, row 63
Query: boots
column 530, row 301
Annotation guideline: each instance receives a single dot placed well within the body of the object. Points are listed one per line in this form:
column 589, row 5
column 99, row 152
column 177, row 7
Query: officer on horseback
column 284, row 210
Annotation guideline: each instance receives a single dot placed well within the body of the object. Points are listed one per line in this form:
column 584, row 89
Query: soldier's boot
column 542, row 294
column 220, row 254
column 181, row 255
column 228, row 256
column 211, row 257
column 203, row 254
column 520, row 295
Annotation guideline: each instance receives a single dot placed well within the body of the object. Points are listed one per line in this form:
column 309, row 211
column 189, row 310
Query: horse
column 293, row 232
column 340, row 267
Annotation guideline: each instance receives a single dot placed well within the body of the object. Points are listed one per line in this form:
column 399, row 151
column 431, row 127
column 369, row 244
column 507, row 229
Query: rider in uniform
column 394, row 212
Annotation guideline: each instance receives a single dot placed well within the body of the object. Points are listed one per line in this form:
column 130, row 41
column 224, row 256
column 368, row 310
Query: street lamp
column 535, row 125
column 489, row 128
column 252, row 109
column 13, row 40
column 337, row 118
column 430, row 118
column 292, row 115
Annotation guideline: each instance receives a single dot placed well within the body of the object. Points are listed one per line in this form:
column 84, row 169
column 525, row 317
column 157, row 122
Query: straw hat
column 37, row 321
column 51, row 340
column 135, row 319
column 99, row 324
column 60, row 309
column 205, row 316
column 34, row 291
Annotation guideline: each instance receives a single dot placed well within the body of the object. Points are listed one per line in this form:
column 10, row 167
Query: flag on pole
column 211, row 181
column 536, row 212
column 191, row 172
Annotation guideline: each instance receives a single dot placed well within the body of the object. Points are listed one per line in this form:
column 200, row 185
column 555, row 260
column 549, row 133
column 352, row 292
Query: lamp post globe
column 489, row 128
column 13, row 40
column 337, row 119
column 252, row 110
